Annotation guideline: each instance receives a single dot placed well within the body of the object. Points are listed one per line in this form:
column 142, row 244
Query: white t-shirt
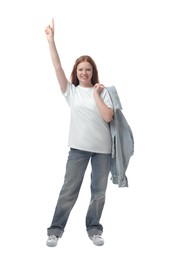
column 88, row 131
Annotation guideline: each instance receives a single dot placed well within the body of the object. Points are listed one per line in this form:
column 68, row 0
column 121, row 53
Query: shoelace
column 52, row 237
column 97, row 236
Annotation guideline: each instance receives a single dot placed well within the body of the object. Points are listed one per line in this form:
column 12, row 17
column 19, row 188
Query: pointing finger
column 52, row 24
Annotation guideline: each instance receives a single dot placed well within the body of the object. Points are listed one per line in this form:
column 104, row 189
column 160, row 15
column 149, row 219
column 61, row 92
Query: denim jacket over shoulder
column 122, row 141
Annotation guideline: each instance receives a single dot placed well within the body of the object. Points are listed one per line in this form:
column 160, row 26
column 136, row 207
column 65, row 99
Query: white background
column 132, row 44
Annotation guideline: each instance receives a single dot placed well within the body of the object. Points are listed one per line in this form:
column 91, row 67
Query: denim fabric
column 75, row 169
column 122, row 141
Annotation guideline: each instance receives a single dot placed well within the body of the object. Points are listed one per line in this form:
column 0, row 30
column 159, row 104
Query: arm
column 105, row 111
column 55, row 57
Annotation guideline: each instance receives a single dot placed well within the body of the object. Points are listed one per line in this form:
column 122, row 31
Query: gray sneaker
column 97, row 240
column 52, row 241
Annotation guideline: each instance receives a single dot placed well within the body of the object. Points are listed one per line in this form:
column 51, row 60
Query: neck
column 86, row 85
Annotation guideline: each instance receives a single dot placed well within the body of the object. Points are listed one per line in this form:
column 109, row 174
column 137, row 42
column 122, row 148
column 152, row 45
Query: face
column 84, row 74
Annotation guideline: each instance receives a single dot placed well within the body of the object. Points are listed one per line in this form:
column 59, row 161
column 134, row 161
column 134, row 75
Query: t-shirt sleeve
column 69, row 91
column 106, row 98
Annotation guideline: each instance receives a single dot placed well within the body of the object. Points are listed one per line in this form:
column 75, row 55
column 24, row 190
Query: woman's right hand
column 49, row 30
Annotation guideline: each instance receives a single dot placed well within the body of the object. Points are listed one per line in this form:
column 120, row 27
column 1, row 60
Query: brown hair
column 95, row 78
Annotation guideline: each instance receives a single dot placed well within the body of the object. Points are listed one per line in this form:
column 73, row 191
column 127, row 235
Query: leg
column 99, row 177
column 75, row 169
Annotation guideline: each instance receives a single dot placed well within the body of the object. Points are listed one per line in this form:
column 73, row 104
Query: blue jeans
column 75, row 169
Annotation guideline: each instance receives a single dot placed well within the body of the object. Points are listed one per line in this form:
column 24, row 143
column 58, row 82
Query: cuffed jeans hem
column 55, row 231
column 94, row 231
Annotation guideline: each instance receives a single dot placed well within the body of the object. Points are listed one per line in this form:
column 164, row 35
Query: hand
column 98, row 88
column 49, row 30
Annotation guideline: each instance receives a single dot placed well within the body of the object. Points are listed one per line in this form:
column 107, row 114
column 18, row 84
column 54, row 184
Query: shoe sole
column 51, row 245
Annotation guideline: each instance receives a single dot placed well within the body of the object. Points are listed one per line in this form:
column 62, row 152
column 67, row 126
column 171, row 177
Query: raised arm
column 49, row 30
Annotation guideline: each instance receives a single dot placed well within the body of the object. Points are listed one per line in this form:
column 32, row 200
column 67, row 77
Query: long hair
column 95, row 77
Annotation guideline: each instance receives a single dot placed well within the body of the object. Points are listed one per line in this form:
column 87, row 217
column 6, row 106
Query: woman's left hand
column 98, row 88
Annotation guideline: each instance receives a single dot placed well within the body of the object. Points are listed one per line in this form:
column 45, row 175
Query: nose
column 84, row 72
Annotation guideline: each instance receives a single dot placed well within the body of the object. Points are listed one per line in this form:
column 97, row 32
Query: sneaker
column 52, row 241
column 97, row 240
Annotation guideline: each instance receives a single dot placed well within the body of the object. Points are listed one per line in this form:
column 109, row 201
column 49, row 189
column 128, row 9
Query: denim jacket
column 122, row 141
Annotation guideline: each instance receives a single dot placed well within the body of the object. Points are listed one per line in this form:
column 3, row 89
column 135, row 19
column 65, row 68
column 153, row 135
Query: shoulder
column 70, row 88
column 104, row 92
column 114, row 96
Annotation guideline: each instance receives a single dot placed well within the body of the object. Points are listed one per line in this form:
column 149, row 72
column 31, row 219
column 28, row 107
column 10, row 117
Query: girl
column 89, row 140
